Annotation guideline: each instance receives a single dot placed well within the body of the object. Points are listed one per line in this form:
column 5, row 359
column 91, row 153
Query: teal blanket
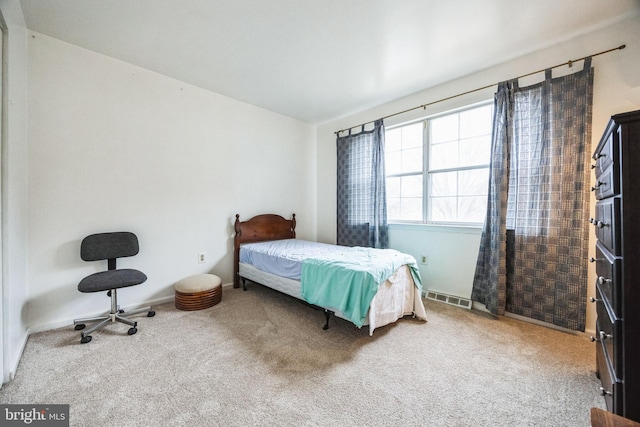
column 348, row 280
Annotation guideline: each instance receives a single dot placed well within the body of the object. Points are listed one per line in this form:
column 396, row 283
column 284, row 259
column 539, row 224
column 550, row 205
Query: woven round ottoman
column 198, row 292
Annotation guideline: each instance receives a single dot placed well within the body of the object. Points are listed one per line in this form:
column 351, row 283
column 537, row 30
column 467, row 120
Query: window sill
column 436, row 228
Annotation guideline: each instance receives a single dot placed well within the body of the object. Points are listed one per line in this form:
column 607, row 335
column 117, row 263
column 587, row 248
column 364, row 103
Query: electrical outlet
column 423, row 259
column 202, row 257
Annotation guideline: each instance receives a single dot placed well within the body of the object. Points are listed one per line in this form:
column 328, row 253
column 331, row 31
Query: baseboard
column 18, row 356
column 483, row 308
column 475, row 305
column 545, row 324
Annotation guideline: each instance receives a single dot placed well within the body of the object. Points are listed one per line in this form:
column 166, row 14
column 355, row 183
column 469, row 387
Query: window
column 438, row 168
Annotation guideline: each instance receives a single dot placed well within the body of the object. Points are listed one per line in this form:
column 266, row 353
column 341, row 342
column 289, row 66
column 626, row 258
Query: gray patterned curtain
column 533, row 249
column 362, row 201
column 490, row 281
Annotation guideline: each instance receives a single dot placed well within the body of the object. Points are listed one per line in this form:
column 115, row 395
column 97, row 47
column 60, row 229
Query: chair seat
column 111, row 279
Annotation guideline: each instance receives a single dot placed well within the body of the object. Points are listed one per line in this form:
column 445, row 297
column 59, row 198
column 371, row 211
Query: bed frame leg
column 244, row 284
column 327, row 316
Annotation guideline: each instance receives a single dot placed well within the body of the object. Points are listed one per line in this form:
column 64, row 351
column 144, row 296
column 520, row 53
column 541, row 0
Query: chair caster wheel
column 151, row 313
column 120, row 311
column 132, row 331
column 85, row 339
column 79, row 326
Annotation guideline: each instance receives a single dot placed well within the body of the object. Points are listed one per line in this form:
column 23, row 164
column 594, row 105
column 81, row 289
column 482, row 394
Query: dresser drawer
column 607, row 183
column 607, row 153
column 609, row 270
column 610, row 387
column 608, row 333
column 607, row 224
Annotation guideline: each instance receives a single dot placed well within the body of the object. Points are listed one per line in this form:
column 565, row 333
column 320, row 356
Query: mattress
column 283, row 257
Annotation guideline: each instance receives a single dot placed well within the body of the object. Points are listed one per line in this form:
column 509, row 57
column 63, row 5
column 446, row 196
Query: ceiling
column 318, row 60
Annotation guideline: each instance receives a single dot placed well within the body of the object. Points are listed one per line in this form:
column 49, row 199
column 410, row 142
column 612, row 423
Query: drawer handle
column 603, row 280
column 605, row 336
column 594, row 300
column 598, row 184
column 592, row 259
column 598, row 224
column 599, row 155
column 604, row 392
column 594, row 166
column 593, row 339
column 594, row 221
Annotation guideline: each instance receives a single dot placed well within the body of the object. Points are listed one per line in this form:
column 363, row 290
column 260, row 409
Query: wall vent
column 448, row 299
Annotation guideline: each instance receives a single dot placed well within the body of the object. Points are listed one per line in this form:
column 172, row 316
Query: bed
column 368, row 287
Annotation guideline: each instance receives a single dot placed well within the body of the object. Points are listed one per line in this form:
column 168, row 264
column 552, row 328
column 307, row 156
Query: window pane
column 442, row 209
column 411, row 209
column 412, row 136
column 393, row 162
column 444, row 129
column 411, row 186
column 393, row 140
column 404, row 198
column 444, row 156
column 476, row 122
column 472, row 209
column 393, row 208
column 404, row 157
column 473, row 182
column 475, row 151
column 412, row 160
column 444, row 184
column 393, row 188
column 403, row 149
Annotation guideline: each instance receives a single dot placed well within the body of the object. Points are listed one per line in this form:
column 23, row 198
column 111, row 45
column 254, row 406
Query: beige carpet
column 261, row 358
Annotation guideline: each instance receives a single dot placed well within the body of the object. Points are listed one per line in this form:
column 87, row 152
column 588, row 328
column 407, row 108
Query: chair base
column 115, row 315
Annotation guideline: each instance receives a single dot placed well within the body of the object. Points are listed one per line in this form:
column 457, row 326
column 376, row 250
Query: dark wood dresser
column 617, row 259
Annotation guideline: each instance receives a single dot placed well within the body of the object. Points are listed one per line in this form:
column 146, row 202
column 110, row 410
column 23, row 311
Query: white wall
column 616, row 89
column 117, row 147
column 442, row 272
column 14, row 194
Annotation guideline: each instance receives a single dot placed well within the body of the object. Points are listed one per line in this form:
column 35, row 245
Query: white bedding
column 277, row 265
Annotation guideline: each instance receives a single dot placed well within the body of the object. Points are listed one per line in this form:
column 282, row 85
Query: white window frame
column 427, row 172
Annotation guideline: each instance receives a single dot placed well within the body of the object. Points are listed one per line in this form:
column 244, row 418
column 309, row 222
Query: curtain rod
column 424, row 106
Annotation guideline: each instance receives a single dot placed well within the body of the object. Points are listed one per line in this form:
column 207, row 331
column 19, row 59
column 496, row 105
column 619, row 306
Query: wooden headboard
column 260, row 228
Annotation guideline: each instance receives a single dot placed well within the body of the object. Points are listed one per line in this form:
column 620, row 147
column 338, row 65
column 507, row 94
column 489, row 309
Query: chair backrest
column 102, row 246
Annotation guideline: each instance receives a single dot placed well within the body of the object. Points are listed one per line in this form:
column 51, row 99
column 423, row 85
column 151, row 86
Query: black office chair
column 110, row 246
